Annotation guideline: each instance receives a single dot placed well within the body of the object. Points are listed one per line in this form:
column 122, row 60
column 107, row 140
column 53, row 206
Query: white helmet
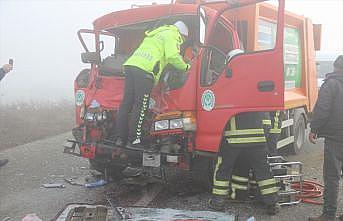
column 182, row 27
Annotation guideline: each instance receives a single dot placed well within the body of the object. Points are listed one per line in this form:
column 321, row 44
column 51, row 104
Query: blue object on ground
column 96, row 183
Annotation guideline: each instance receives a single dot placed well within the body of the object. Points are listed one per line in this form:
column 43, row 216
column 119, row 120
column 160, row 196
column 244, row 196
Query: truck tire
column 298, row 131
column 202, row 171
column 115, row 171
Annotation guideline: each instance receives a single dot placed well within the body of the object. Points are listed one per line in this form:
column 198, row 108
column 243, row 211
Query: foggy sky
column 41, row 38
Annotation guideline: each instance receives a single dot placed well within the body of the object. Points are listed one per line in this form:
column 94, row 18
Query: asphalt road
column 41, row 162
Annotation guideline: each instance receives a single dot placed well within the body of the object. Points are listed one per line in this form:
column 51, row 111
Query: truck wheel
column 298, row 131
column 113, row 170
column 202, row 171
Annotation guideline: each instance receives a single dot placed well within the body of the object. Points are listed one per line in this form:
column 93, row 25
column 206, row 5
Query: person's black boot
column 3, row 162
column 217, row 203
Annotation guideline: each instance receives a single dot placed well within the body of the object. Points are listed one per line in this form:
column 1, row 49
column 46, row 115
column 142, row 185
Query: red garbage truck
column 245, row 55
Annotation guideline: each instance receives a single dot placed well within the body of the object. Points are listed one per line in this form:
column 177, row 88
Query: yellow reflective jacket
column 160, row 47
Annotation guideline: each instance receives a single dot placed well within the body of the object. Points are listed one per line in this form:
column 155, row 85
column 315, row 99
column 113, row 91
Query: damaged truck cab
column 238, row 64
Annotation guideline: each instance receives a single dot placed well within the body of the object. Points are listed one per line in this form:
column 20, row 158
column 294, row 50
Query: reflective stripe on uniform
column 267, row 122
column 219, row 161
column 246, row 140
column 275, row 131
column 240, row 179
column 276, row 119
column 269, row 190
column 220, row 192
column 244, row 132
column 266, row 182
column 239, row 187
column 221, row 183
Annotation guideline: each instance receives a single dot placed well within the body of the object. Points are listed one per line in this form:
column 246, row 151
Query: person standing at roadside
column 3, row 71
column 327, row 122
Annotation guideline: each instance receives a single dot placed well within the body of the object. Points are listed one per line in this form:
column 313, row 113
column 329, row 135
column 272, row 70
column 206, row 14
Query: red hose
column 310, row 191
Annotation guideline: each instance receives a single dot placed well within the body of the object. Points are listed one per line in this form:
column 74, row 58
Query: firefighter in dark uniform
column 246, row 134
column 143, row 69
column 243, row 182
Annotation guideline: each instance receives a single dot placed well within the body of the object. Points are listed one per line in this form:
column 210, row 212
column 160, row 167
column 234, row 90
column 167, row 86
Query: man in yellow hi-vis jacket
column 143, row 69
column 246, row 134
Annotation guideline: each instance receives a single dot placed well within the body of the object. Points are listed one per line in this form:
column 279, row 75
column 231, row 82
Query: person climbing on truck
column 143, row 69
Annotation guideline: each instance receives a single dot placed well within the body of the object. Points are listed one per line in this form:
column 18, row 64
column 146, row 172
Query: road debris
column 75, row 181
column 102, row 213
column 53, row 185
column 124, row 213
column 31, row 217
column 98, row 183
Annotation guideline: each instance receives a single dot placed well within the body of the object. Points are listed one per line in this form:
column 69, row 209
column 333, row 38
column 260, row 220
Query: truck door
column 233, row 81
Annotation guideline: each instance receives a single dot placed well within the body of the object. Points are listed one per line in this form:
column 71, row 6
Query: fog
column 41, row 38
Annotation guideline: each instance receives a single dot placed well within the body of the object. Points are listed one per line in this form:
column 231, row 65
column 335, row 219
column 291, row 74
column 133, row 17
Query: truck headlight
column 98, row 116
column 161, row 125
column 89, row 116
column 176, row 123
column 176, row 120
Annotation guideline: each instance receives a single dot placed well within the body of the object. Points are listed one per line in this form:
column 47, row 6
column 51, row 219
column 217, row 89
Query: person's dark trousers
column 138, row 86
column 257, row 158
column 240, row 178
column 272, row 141
column 333, row 158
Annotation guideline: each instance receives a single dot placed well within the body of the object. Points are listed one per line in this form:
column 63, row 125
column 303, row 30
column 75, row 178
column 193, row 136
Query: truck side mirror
column 90, row 57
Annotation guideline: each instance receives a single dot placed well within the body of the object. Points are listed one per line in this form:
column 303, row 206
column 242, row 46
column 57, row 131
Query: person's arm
column 172, row 52
column 5, row 69
column 322, row 109
column 2, row 73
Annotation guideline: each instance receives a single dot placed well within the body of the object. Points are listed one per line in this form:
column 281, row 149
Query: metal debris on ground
column 53, row 185
column 84, row 212
column 124, row 213
column 102, row 213
column 75, row 181
column 154, row 214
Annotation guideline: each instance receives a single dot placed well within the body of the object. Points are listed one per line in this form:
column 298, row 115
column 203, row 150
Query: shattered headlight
column 161, row 125
column 89, row 116
column 176, row 120
column 99, row 116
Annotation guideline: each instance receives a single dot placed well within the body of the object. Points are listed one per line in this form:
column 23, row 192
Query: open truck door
column 234, row 81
